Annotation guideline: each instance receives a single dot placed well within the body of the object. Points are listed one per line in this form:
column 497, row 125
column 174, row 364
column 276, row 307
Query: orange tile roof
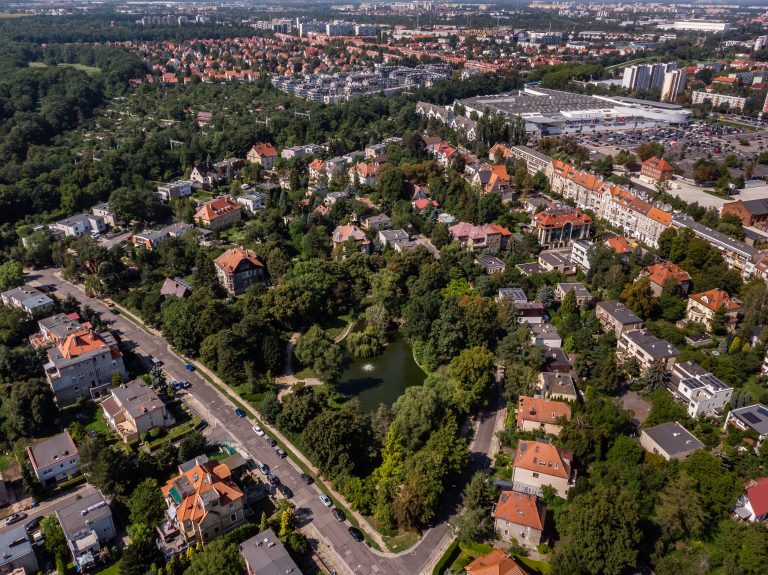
column 215, row 209
column 230, row 259
column 265, row 150
column 659, row 163
column 201, row 479
column 521, row 509
column 541, row 410
column 317, row 164
column 543, row 458
column 558, row 216
column 497, row 562
column 715, row 298
column 619, row 244
column 660, row 216
column 661, row 272
column 81, row 342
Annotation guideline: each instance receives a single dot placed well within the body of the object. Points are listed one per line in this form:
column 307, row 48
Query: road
column 48, row 507
column 359, row 558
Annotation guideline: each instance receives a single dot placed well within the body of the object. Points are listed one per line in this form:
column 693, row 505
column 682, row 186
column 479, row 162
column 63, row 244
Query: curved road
column 358, row 558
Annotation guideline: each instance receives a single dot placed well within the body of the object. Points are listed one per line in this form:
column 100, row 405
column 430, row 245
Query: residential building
column 30, row 299
column 556, row 360
column 702, row 26
column 497, row 562
column 253, row 201
column 175, row 287
column 174, row 190
column 55, row 458
column 614, row 315
column 702, row 392
column 536, row 413
column 657, row 170
column 264, row 554
column 88, row 526
column 673, row 85
column 514, row 294
column 538, row 463
column 580, row 254
column 667, row 273
column 753, row 213
column 670, row 440
column 105, row 213
column 316, row 168
column 208, row 173
column 218, row 214
column 82, row 365
column 545, row 334
column 79, row 225
column 16, row 552
column 490, row 264
column 560, row 225
column 377, row 222
column 350, row 232
column 733, row 102
column 150, row 239
column 264, row 154
column 557, row 260
column 703, row 308
column 753, row 505
column 54, row 329
column 534, row 161
column 620, row 245
column 530, row 312
column 558, row 386
column 238, row 269
column 133, row 409
column 364, row 174
column 492, row 179
column 392, row 238
column 489, row 236
column 583, row 297
column 646, row 77
column 754, row 417
column 520, row 517
column 204, row 501
column 646, row 348
column 737, row 255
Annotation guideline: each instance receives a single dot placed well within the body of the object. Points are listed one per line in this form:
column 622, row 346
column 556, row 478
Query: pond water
column 381, row 379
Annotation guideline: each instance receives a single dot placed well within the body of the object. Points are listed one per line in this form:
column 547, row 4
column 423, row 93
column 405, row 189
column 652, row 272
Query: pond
column 381, row 379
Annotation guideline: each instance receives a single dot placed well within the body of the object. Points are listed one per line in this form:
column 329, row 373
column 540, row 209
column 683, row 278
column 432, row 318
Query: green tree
column 192, row 445
column 680, row 513
column 55, row 542
column 29, row 409
column 716, row 485
column 655, row 377
column 471, row 374
column 340, row 441
column 415, row 413
column 11, row 275
column 146, row 504
column 639, row 297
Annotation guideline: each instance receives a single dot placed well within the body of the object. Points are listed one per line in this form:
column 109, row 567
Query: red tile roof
column 661, row 272
column 215, row 209
column 497, row 562
column 543, row 458
column 541, row 410
column 230, row 259
column 521, row 509
column 757, row 494
column 715, row 298
column 265, row 150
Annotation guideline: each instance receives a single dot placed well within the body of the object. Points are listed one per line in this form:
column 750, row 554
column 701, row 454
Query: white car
column 258, row 430
column 325, row 500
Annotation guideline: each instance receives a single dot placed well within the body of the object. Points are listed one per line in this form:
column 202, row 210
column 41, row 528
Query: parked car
column 325, row 500
column 239, row 412
column 176, row 385
column 189, row 367
column 263, row 468
column 271, row 442
column 274, row 480
column 33, row 523
column 185, row 384
column 285, row 490
column 356, row 534
column 307, row 479
column 280, row 453
column 15, row 518
column 339, row 514
column 258, row 430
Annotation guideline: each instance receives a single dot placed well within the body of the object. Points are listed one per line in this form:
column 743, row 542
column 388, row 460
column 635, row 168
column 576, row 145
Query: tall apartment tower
column 673, row 85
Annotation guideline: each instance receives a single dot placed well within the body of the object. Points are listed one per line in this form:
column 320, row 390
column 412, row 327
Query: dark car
column 280, row 453
column 307, row 479
column 274, row 480
column 338, row 514
column 185, row 384
column 34, row 523
column 189, row 367
column 285, row 490
column 239, row 412
column 271, row 442
column 356, row 534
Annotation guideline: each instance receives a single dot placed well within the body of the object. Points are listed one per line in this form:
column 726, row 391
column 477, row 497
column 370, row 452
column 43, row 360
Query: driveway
column 636, row 404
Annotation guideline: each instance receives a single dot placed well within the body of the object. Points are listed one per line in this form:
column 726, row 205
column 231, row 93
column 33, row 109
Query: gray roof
column 757, row 207
column 656, row 347
column 619, row 312
column 577, row 287
column 515, row 294
column 52, row 449
column 718, row 239
column 487, row 261
column 558, row 384
column 137, row 398
column 60, row 325
column 544, row 331
column 14, row 544
column 28, row 297
column 673, row 438
column 265, row 555
column 72, row 518
column 753, row 416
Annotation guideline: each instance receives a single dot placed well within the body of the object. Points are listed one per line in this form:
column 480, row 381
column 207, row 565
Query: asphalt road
column 358, row 557
column 47, row 507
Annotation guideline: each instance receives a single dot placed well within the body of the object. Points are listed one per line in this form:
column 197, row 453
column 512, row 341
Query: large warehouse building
column 550, row 112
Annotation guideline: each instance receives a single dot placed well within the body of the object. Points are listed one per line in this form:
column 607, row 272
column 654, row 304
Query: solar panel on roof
column 750, row 417
column 762, row 410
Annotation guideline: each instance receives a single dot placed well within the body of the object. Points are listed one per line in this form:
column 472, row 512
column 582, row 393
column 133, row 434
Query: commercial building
column 670, row 440
column 702, row 26
column 54, row 459
column 88, row 526
column 702, row 392
column 734, row 102
column 133, row 409
column 82, row 365
column 238, row 269
column 550, row 112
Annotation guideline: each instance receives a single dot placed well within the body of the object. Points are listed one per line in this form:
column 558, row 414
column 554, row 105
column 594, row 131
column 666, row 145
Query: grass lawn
column 5, row 461
column 90, row 70
column 396, row 542
column 534, row 566
column 111, row 570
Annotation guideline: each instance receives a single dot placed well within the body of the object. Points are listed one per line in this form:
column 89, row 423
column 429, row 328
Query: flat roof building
column 670, row 440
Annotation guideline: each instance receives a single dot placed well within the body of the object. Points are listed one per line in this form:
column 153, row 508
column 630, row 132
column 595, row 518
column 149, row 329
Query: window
column 535, row 474
column 233, row 517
